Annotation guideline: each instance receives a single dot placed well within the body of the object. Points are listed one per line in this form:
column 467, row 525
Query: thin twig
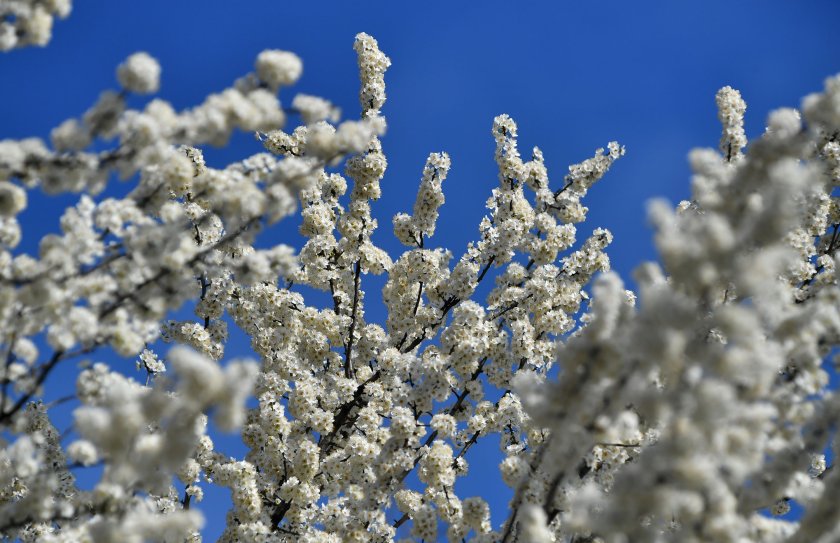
column 348, row 352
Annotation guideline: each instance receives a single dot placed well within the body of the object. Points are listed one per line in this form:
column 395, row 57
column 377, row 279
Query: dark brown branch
column 205, row 283
column 46, row 368
column 336, row 300
column 348, row 351
column 343, row 415
column 486, row 269
column 417, row 301
column 278, row 514
column 473, row 440
column 512, row 306
column 10, row 356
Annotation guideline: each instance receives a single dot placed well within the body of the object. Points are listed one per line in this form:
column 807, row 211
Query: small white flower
column 12, row 199
column 278, row 68
column 83, row 452
column 139, row 73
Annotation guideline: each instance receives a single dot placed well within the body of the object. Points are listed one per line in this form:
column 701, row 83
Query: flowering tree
column 688, row 418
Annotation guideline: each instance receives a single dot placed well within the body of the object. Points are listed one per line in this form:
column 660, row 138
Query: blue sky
column 574, row 75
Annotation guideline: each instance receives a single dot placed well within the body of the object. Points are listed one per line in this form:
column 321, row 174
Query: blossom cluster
column 693, row 415
column 345, row 409
column 704, row 412
column 29, row 22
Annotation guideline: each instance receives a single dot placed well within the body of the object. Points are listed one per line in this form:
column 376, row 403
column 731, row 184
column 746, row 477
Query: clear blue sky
column 574, row 75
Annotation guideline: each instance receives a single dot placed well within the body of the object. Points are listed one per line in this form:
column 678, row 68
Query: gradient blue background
column 573, row 75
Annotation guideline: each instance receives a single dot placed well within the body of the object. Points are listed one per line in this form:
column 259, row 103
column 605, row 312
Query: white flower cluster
column 278, row 68
column 372, row 66
column 731, row 109
column 139, row 73
column 696, row 415
column 345, row 409
column 118, row 269
column 410, row 230
column 692, row 417
column 29, row 22
column 142, row 434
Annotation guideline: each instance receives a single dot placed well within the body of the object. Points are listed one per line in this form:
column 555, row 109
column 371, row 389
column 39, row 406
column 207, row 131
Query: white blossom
column 29, row 22
column 83, row 452
column 278, row 68
column 139, row 73
column 12, row 199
